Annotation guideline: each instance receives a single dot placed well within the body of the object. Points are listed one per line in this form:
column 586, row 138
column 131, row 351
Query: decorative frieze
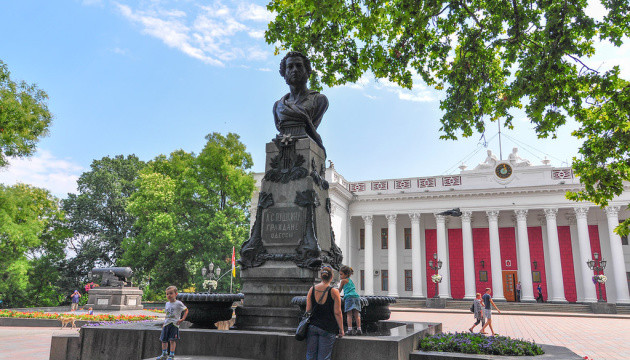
column 357, row 187
column 379, row 185
column 426, row 182
column 562, row 174
column 451, row 180
column 402, row 184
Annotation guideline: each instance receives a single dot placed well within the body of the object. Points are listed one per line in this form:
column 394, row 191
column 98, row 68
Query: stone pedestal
column 291, row 238
column 436, row 303
column 603, row 308
column 118, row 298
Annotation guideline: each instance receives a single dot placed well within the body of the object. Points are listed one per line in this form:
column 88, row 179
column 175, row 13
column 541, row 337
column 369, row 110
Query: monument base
column 436, row 303
column 119, row 298
column 603, row 308
column 268, row 291
column 392, row 341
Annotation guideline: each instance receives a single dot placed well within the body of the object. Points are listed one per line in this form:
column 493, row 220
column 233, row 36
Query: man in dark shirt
column 487, row 311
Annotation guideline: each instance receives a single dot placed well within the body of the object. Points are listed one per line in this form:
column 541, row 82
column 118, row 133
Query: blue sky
column 150, row 77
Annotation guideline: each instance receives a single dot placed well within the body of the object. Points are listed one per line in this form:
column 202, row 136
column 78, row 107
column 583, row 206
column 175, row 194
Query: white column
column 524, row 260
column 618, row 263
column 348, row 257
column 469, row 258
column 416, row 252
column 369, row 256
column 584, row 243
column 557, row 281
column 442, row 254
column 392, row 255
column 495, row 255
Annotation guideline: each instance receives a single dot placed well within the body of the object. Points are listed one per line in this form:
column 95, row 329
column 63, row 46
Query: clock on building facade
column 503, row 171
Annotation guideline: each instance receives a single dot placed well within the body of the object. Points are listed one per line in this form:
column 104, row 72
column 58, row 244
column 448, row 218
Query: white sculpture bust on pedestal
column 516, row 160
column 489, row 163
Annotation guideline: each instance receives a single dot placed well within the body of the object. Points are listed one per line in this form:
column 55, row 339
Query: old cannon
column 113, row 276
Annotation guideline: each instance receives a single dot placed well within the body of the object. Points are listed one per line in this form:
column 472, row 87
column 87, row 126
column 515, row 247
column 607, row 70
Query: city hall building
column 516, row 225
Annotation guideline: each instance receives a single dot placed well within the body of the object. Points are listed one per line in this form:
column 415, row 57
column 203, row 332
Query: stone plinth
column 603, row 308
column 436, row 303
column 291, row 237
column 118, row 298
column 393, row 341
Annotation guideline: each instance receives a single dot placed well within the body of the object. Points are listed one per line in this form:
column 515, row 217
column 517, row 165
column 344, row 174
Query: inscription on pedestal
column 102, row 301
column 283, row 225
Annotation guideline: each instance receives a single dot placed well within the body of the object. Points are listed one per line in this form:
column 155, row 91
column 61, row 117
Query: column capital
column 580, row 212
column 415, row 217
column 493, row 215
column 440, row 218
column 367, row 219
column 521, row 214
column 391, row 218
column 612, row 211
column 551, row 213
column 466, row 215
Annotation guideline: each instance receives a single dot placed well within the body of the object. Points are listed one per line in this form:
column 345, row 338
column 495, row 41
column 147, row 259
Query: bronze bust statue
column 299, row 112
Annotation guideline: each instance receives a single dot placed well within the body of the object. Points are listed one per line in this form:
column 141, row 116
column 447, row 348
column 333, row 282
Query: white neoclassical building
column 516, row 225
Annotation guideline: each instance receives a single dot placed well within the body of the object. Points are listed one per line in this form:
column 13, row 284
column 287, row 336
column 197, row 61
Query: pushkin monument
column 292, row 235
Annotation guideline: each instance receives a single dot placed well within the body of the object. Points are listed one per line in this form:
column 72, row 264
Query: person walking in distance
column 487, row 311
column 478, row 312
column 540, row 295
column 518, row 291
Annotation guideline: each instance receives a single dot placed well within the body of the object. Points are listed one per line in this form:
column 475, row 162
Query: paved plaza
column 597, row 338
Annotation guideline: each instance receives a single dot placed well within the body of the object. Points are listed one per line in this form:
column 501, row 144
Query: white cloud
column 255, row 13
column 119, row 51
column 264, row 69
column 43, row 170
column 213, row 33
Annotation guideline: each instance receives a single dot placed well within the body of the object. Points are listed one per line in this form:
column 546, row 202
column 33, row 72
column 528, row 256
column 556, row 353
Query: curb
column 550, row 314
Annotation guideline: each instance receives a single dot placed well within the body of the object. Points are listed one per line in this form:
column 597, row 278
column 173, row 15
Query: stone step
column 507, row 306
column 186, row 357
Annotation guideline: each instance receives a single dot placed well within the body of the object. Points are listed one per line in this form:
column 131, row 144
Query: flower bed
column 479, row 344
column 54, row 316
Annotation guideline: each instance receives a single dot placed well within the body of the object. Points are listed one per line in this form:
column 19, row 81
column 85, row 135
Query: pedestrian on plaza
column 75, row 300
column 478, row 312
column 487, row 311
column 540, row 295
column 326, row 324
column 170, row 330
column 90, row 311
column 518, row 292
column 352, row 302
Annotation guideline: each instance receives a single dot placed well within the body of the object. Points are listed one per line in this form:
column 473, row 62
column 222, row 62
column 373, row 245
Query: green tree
column 191, row 210
column 33, row 236
column 24, row 116
column 490, row 57
column 98, row 217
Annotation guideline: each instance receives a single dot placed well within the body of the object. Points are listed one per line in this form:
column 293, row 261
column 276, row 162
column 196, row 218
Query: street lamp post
column 210, row 273
column 435, row 266
column 597, row 265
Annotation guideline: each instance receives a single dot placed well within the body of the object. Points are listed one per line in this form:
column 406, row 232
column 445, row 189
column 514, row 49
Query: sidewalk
column 527, row 313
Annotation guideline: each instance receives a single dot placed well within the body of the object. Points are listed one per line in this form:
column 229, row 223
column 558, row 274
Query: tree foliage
column 191, row 209
column 97, row 214
column 32, row 243
column 490, row 57
column 24, row 116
